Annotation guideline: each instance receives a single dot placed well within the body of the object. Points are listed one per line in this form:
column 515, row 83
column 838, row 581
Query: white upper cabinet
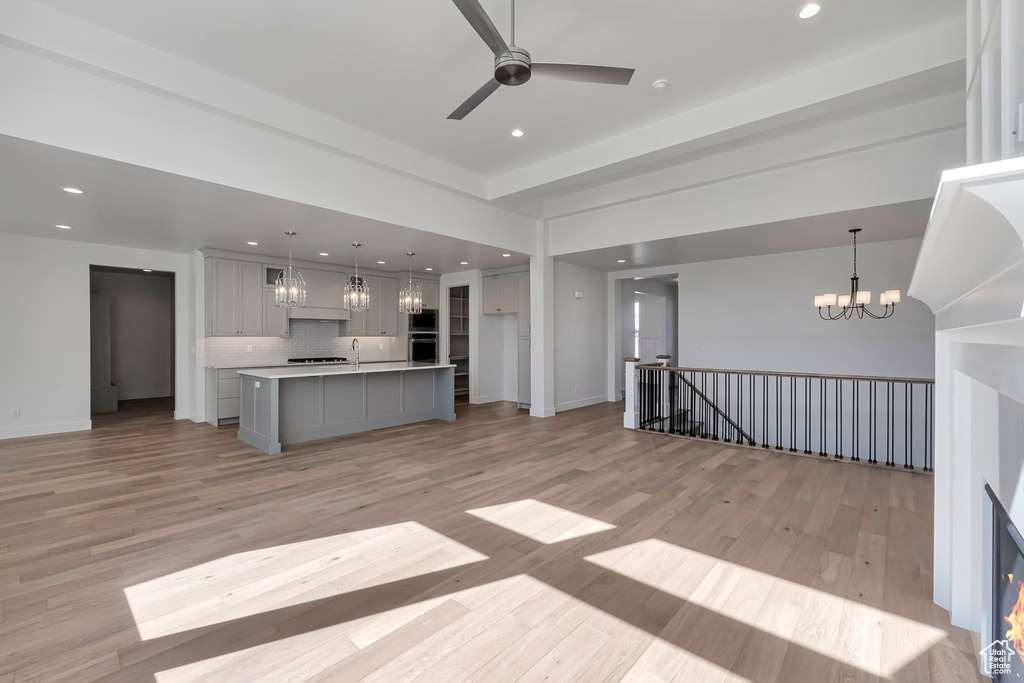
column 382, row 318
column 501, row 293
column 524, row 306
column 431, row 293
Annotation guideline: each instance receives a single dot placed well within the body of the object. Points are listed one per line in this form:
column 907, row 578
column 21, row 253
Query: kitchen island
column 295, row 404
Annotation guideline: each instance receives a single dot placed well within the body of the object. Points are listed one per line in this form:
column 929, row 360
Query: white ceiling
column 132, row 206
column 398, row 67
column 879, row 224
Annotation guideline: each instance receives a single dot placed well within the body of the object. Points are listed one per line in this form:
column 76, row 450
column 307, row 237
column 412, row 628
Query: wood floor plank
column 158, row 547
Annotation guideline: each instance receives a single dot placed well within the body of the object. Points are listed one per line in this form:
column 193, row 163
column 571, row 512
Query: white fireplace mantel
column 970, row 272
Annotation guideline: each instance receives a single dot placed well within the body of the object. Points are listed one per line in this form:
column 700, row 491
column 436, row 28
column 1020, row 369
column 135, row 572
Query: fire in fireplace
column 1008, row 597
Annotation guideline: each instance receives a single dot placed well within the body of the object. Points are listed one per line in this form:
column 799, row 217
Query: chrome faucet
column 355, row 347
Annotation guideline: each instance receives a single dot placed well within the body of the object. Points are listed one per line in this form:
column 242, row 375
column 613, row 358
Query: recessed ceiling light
column 517, row 133
column 64, row 227
column 506, row 255
column 621, row 260
column 147, row 270
column 809, row 10
column 428, row 269
column 324, row 253
column 252, row 244
column 464, row 263
column 381, row 263
column 73, row 190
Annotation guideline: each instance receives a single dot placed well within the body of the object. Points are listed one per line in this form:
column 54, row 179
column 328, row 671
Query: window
column 636, row 326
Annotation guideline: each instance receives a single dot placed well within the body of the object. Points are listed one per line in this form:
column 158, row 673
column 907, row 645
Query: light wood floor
column 494, row 548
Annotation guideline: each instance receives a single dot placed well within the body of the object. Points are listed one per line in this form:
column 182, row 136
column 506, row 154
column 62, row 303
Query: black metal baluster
column 764, row 411
column 792, row 414
column 908, row 453
column 856, row 421
column 890, row 431
column 927, row 426
column 753, row 426
column 873, row 424
column 643, row 401
column 839, row 417
column 822, row 407
column 778, row 413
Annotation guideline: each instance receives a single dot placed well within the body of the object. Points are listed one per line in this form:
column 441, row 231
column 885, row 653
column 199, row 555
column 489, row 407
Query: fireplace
column 1006, row 577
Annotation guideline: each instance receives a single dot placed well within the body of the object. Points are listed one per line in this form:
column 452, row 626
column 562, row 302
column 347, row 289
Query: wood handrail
column 865, row 378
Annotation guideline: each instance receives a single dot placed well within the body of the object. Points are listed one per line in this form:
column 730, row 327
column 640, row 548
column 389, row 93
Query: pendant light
column 856, row 301
column 410, row 299
column 357, row 292
column 290, row 288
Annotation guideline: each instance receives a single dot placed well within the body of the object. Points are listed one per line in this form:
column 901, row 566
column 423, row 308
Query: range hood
column 313, row 313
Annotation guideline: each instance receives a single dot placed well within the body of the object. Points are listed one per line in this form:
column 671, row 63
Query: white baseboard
column 486, row 399
column 42, row 430
column 184, row 415
column 580, row 403
column 536, row 411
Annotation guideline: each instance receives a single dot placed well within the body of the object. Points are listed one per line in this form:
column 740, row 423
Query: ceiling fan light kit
column 514, row 66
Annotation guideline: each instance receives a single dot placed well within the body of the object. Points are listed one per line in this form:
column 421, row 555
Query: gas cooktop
column 329, row 359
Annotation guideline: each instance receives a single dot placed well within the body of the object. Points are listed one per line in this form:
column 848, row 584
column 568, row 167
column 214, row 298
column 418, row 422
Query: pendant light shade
column 357, row 292
column 290, row 288
column 410, row 299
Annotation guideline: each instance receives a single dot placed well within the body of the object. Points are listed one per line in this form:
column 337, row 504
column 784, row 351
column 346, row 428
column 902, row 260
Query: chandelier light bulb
column 863, row 297
column 844, row 300
column 829, row 299
column 819, row 301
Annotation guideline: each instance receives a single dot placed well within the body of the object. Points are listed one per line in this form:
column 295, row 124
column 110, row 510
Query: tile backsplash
column 307, row 338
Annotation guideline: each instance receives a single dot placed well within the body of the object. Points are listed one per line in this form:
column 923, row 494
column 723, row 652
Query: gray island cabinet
column 295, row 404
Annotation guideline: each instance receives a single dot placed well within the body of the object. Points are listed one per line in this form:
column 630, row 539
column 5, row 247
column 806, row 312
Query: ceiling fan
column 512, row 64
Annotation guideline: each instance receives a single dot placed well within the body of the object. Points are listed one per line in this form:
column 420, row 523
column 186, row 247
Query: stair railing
column 842, row 416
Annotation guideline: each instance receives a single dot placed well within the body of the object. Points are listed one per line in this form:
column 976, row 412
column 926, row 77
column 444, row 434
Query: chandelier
column 410, row 299
column 857, row 300
column 357, row 292
column 290, row 288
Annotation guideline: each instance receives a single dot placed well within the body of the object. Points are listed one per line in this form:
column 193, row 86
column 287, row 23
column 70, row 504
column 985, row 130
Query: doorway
column 131, row 341
column 645, row 324
column 458, row 339
column 649, row 326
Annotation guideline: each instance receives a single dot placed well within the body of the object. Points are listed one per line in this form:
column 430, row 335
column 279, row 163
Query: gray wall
column 141, row 331
column 580, row 332
column 757, row 313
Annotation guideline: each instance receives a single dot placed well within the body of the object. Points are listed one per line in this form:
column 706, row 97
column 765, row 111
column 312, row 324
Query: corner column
column 631, row 418
column 542, row 326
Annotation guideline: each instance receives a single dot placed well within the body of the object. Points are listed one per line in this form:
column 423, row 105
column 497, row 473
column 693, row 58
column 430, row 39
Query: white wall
column 580, row 341
column 141, row 332
column 44, row 368
column 756, row 313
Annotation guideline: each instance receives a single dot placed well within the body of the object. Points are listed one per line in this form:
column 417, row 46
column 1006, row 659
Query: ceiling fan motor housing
column 512, row 68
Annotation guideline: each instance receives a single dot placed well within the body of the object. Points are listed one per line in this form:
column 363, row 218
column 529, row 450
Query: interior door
column 653, row 310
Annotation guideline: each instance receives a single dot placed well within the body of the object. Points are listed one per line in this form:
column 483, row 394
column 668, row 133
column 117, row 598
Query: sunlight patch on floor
column 517, row 628
column 539, row 521
column 258, row 581
column 830, row 625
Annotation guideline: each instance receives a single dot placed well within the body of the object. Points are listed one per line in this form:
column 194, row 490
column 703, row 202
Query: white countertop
column 283, row 364
column 320, row 371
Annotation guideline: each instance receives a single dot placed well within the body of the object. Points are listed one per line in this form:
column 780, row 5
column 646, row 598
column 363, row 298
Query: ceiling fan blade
column 474, row 100
column 612, row 75
column 478, row 19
